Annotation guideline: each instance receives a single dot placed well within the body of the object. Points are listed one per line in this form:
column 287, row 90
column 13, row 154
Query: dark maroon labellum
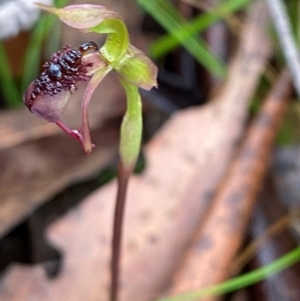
column 62, row 73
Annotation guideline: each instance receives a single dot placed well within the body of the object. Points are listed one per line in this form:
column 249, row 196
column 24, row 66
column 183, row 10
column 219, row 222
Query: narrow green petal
column 137, row 69
column 131, row 129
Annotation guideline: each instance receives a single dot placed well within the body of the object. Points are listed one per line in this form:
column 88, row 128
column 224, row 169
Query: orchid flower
column 47, row 96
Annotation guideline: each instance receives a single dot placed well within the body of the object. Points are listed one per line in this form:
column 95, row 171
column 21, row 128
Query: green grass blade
column 241, row 281
column 53, row 42
column 34, row 50
column 293, row 8
column 167, row 42
column 197, row 47
column 171, row 10
column 33, row 53
column 8, row 85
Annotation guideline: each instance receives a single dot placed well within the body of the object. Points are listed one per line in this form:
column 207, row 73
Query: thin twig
column 250, row 251
column 275, row 229
column 283, row 27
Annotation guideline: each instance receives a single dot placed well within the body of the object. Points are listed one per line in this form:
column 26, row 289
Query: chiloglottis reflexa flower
column 47, row 96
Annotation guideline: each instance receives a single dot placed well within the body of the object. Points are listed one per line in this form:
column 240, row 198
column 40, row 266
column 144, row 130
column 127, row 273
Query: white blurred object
column 18, row 15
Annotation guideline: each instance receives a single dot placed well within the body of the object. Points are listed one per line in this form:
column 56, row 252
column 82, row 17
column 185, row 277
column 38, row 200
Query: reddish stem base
column 123, row 179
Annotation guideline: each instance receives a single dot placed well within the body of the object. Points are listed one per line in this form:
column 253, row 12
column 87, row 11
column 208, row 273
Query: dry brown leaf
column 223, row 230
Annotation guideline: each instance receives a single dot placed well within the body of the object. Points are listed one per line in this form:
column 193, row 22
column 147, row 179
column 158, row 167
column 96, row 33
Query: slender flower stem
column 123, row 179
column 130, row 143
